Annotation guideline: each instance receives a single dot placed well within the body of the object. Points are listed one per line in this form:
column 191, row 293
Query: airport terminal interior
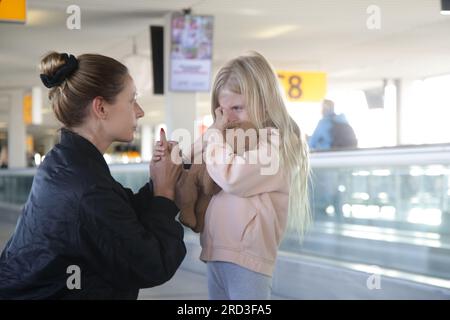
column 381, row 207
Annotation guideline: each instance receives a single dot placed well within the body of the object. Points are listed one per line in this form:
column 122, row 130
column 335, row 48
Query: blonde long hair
column 252, row 76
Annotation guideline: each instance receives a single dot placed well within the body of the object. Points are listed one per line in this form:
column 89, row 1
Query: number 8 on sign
column 295, row 92
column 303, row 86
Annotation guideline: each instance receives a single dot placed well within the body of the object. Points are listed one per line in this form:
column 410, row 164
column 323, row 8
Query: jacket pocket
column 228, row 221
column 248, row 230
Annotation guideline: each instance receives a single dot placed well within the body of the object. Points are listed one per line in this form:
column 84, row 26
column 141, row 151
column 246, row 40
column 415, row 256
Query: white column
column 390, row 111
column 405, row 103
column 36, row 110
column 146, row 142
column 16, row 131
column 180, row 107
column 180, row 112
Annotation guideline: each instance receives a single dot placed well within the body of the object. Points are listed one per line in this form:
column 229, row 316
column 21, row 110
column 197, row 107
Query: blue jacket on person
column 78, row 217
column 322, row 138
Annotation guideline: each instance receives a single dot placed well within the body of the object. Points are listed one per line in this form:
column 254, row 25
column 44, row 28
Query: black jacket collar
column 83, row 147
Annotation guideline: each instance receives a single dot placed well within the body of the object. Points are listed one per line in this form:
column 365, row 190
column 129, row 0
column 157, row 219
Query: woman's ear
column 99, row 108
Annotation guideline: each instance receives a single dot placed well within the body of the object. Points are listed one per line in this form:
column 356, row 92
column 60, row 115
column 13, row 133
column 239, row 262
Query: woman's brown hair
column 95, row 75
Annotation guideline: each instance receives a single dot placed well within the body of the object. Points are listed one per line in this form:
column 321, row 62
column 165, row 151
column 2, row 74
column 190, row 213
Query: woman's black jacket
column 82, row 235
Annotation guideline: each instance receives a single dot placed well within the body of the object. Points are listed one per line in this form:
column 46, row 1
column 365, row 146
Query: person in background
column 3, row 157
column 333, row 131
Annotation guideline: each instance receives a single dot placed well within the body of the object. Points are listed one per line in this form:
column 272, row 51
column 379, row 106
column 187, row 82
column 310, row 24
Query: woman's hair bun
column 57, row 67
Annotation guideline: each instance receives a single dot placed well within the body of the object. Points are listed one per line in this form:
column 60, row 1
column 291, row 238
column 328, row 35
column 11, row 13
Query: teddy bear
column 195, row 188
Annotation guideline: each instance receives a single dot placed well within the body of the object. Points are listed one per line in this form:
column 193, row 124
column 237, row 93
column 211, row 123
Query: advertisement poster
column 191, row 53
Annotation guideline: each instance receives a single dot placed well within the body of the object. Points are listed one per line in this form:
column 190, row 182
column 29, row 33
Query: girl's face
column 235, row 105
column 124, row 113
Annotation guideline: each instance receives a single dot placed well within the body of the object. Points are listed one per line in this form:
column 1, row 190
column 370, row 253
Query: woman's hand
column 164, row 172
column 159, row 150
column 161, row 147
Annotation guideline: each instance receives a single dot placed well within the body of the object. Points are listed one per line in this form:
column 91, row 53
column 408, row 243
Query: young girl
column 245, row 222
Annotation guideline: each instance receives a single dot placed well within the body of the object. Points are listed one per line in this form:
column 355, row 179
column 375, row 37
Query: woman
column 81, row 234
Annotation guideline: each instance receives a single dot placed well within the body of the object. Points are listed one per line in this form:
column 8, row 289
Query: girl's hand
column 222, row 119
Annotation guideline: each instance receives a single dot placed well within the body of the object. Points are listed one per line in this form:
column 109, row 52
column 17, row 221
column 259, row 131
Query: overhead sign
column 304, row 86
column 13, row 11
column 191, row 52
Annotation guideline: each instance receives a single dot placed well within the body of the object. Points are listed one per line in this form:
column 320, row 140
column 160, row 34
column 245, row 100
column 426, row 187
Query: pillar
column 16, row 131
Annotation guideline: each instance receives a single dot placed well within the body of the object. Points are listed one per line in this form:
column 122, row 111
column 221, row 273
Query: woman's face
column 235, row 105
column 124, row 113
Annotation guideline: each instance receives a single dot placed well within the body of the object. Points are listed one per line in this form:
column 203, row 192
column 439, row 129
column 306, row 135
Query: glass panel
column 392, row 216
column 395, row 217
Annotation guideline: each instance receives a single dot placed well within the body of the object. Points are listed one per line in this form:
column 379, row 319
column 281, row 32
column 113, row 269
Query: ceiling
column 326, row 35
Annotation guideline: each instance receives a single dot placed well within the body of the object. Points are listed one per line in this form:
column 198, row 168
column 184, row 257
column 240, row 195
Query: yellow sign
column 13, row 11
column 27, row 109
column 304, row 86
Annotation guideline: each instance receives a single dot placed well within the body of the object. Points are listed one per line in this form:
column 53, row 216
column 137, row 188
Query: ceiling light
column 276, row 31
